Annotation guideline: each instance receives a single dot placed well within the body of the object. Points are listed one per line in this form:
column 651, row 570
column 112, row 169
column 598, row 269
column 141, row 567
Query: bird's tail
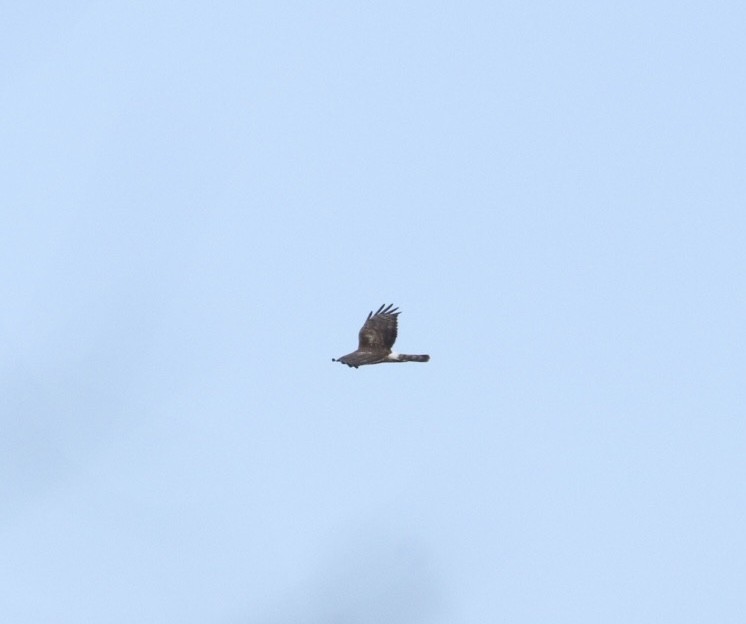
column 413, row 358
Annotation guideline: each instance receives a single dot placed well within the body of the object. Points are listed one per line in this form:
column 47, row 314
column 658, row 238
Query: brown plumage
column 376, row 338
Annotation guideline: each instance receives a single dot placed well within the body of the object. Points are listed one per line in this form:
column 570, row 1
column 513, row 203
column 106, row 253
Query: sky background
column 202, row 201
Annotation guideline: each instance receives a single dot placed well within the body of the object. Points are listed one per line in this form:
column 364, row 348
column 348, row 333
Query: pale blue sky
column 203, row 200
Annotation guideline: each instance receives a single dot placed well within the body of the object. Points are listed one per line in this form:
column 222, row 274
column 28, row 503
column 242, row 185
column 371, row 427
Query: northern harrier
column 376, row 337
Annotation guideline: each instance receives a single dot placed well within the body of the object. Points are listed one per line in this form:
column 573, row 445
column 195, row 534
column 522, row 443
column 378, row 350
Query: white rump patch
column 393, row 356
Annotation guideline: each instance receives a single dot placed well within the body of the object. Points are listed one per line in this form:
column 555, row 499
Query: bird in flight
column 376, row 338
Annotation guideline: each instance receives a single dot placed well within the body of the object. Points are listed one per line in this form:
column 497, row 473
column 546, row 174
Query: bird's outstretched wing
column 379, row 330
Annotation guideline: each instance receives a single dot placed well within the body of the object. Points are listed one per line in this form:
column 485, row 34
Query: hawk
column 376, row 338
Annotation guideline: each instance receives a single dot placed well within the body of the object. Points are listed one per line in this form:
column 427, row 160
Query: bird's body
column 376, row 338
